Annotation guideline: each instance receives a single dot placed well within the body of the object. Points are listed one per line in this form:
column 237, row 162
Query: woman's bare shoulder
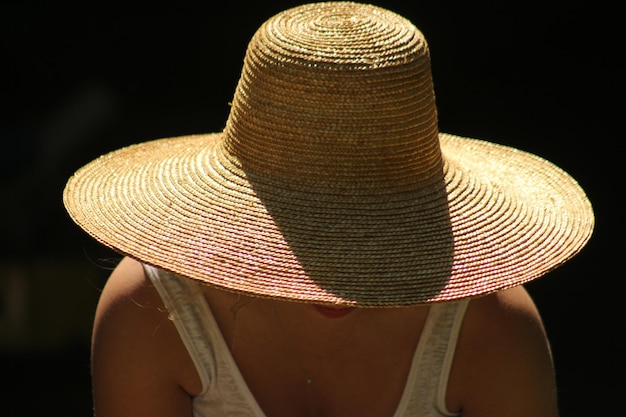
column 129, row 303
column 504, row 360
column 508, row 311
column 127, row 284
column 134, row 349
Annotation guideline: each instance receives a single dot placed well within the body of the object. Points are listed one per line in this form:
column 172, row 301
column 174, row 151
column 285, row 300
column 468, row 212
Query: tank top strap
column 190, row 314
column 430, row 370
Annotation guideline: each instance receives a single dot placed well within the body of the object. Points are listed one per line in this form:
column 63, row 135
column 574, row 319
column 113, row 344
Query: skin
column 502, row 366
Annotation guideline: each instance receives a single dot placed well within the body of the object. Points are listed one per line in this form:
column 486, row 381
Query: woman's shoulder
column 510, row 311
column 504, row 364
column 131, row 313
column 128, row 279
column 133, row 337
column 129, row 302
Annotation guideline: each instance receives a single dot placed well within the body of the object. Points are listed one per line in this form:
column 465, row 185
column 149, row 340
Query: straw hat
column 331, row 183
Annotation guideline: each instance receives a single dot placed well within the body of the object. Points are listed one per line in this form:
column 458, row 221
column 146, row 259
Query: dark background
column 78, row 81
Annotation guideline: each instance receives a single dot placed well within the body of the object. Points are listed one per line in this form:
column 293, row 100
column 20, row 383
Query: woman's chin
column 333, row 312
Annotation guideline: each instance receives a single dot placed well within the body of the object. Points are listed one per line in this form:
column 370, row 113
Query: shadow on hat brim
column 367, row 250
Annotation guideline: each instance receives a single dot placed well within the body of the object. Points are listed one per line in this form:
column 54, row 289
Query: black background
column 78, row 81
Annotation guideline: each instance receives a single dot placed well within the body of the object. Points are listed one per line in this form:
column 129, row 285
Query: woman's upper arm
column 507, row 368
column 136, row 354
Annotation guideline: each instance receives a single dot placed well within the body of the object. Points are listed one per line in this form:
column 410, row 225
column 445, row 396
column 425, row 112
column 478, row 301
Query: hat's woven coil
column 330, row 93
column 331, row 183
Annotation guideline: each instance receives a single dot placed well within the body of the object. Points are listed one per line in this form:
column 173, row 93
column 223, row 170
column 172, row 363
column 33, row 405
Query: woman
column 359, row 361
column 330, row 253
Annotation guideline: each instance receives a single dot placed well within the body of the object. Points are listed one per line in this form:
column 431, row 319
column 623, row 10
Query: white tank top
column 225, row 392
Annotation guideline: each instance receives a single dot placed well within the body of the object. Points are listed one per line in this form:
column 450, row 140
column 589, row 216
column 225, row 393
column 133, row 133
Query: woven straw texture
column 331, row 183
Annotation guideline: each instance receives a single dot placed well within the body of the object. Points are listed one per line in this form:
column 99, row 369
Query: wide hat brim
column 498, row 217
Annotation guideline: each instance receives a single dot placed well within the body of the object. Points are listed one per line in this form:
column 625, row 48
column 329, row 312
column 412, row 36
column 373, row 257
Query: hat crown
column 330, row 92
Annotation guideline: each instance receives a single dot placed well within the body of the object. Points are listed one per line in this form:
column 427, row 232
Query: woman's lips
column 333, row 312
